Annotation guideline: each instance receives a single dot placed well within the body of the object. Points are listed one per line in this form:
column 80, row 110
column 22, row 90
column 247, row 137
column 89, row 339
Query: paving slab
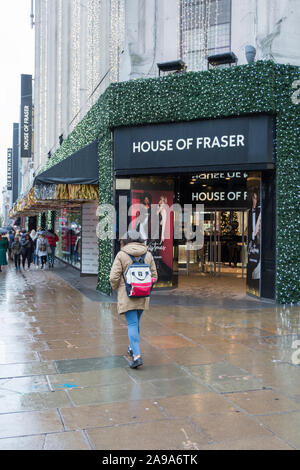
column 23, row 443
column 27, row 369
column 284, row 425
column 89, row 379
column 94, row 363
column 254, row 443
column 209, row 373
column 170, row 342
column 111, row 414
column 230, row 426
column 150, row 373
column 29, row 423
column 14, row 401
column 73, row 353
column 261, row 402
column 18, row 358
column 178, row 386
column 162, row 435
column 112, row 393
column 193, row 405
column 193, row 356
column 66, row 441
column 24, row 384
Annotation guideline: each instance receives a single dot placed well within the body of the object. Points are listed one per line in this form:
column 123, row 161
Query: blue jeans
column 35, row 259
column 133, row 318
column 51, row 257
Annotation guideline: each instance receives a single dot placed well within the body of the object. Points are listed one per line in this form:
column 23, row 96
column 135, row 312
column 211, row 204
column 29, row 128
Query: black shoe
column 136, row 363
column 129, row 351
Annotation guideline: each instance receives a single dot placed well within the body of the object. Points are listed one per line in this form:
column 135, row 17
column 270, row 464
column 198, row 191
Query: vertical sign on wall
column 89, row 244
column 9, row 169
column 15, row 163
column 26, row 116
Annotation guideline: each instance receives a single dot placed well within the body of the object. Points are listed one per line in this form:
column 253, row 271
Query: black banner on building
column 186, row 146
column 9, row 169
column 26, row 116
column 15, row 164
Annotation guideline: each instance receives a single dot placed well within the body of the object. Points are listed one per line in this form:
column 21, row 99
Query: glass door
column 224, row 252
column 212, row 242
column 207, row 259
column 232, row 232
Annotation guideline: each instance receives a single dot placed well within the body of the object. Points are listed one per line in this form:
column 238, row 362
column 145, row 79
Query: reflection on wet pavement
column 214, row 377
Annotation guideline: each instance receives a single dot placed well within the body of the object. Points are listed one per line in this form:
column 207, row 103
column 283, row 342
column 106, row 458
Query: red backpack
column 138, row 279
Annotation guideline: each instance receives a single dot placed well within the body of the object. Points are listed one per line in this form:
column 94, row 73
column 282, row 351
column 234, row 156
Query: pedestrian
column 77, row 247
column 27, row 248
column 34, row 237
column 132, row 250
column 52, row 240
column 42, row 249
column 3, row 250
column 11, row 236
column 16, row 249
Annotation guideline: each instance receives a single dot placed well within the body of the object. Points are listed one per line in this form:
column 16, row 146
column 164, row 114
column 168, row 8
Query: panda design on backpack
column 138, row 279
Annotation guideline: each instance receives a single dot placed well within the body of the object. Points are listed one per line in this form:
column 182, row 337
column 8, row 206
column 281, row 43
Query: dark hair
column 144, row 195
column 132, row 236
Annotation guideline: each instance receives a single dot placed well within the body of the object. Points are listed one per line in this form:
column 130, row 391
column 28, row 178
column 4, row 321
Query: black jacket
column 27, row 247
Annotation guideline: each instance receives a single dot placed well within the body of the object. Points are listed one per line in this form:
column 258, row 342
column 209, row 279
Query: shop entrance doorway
column 224, row 252
column 222, row 202
column 219, row 268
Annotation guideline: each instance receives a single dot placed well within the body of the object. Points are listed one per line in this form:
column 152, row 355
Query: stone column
column 151, row 36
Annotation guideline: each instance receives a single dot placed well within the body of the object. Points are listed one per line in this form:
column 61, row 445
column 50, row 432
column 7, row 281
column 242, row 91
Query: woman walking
column 27, row 250
column 11, row 238
column 131, row 307
column 16, row 249
column 3, row 250
column 42, row 249
column 34, row 237
column 52, row 240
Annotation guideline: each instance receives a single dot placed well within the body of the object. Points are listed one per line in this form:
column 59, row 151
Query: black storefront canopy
column 79, row 168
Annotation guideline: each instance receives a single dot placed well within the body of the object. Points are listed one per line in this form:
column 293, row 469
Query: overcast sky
column 17, row 57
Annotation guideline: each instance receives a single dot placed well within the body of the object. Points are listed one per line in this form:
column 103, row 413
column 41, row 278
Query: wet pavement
column 219, row 375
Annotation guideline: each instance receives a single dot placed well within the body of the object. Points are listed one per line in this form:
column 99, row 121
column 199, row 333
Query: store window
column 151, row 199
column 205, row 30
column 68, row 229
